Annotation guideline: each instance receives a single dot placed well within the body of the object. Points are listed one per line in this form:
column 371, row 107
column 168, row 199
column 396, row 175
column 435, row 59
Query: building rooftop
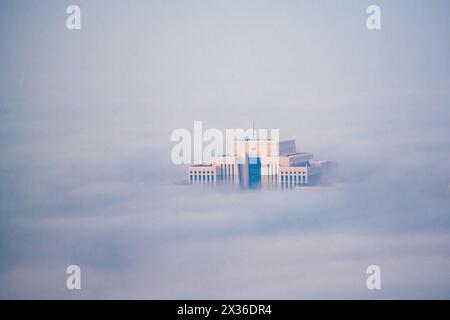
column 298, row 154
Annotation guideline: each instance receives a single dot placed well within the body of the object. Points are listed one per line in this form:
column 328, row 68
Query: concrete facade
column 261, row 160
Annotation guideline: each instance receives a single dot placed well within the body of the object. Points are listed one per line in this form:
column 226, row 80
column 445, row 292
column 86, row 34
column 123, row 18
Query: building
column 256, row 162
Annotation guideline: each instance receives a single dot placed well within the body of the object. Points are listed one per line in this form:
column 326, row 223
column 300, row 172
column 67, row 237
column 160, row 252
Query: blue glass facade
column 254, row 172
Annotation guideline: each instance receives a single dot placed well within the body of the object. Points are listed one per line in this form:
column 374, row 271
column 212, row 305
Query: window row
column 292, row 172
column 226, row 169
column 202, row 178
column 300, row 178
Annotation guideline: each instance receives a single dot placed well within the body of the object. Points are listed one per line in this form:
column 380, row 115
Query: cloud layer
column 85, row 172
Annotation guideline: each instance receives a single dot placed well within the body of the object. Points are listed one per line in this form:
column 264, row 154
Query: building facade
column 256, row 162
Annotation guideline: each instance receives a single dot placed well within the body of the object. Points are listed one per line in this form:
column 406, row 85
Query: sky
column 85, row 170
